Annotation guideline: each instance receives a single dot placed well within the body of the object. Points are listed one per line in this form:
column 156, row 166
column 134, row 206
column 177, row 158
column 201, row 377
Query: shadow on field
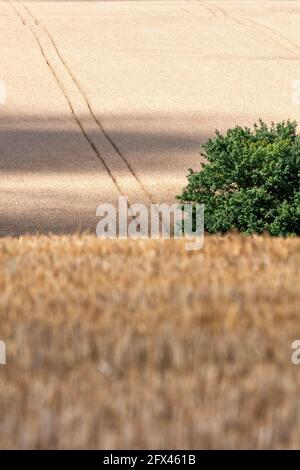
column 52, row 180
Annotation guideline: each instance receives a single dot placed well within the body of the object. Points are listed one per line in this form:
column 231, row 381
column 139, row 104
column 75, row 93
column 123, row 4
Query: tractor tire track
column 63, row 90
column 116, row 165
column 255, row 26
column 205, row 7
column 97, row 121
column 276, row 33
column 261, row 28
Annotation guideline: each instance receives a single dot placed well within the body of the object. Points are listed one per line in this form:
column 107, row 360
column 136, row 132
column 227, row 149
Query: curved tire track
column 255, row 26
column 276, row 33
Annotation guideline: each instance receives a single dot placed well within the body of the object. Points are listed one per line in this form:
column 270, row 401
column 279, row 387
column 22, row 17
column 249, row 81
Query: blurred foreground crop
column 140, row 344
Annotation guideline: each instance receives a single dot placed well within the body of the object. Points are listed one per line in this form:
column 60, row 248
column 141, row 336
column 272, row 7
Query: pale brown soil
column 140, row 344
column 116, row 97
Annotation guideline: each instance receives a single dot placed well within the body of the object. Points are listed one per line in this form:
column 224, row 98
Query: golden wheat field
column 141, row 344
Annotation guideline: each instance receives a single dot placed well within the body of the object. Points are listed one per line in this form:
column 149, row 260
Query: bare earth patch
column 140, row 344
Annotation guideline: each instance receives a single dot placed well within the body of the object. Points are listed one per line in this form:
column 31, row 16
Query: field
column 140, row 344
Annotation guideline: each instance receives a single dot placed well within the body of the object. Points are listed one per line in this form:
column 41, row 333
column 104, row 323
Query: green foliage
column 250, row 182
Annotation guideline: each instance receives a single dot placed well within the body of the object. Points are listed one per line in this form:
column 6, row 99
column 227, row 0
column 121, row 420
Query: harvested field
column 140, row 344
